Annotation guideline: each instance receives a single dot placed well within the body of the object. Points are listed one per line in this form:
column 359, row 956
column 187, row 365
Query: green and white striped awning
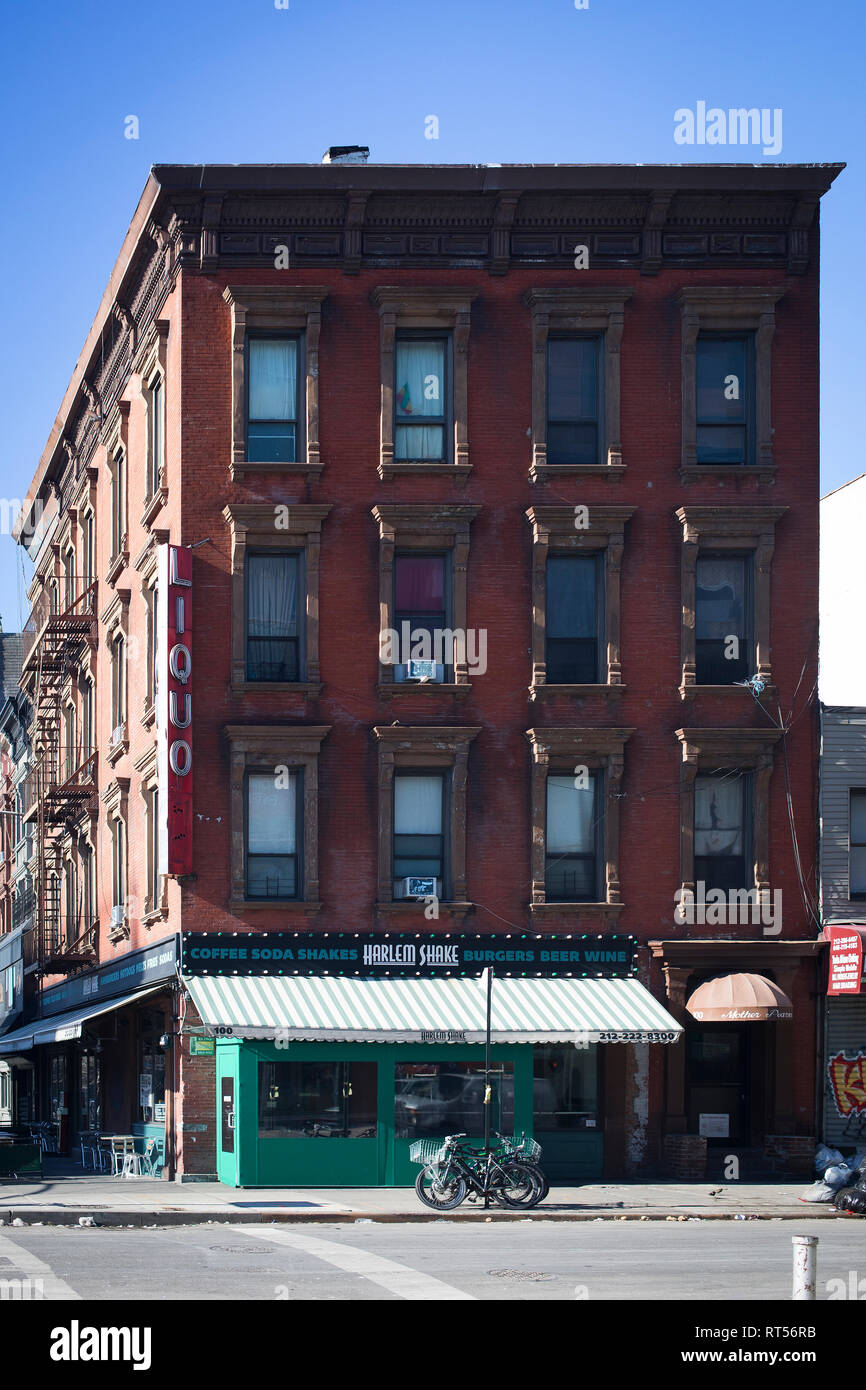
column 333, row 1009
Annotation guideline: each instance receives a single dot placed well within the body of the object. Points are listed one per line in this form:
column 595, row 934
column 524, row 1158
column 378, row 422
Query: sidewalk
column 72, row 1198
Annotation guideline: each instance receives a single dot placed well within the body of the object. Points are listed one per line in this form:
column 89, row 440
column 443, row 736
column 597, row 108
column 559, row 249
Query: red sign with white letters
column 174, row 700
column 846, row 960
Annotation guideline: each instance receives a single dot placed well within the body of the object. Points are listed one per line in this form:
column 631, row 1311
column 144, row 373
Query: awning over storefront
column 332, row 1009
column 65, row 1027
column 745, row 998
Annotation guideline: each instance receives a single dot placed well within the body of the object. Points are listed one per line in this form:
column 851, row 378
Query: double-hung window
column 118, row 502
column 573, row 619
column 725, row 418
column 155, row 434
column 273, row 582
column 273, row 820
column 722, row 830
column 273, row 393
column 419, row 831
column 421, row 398
column 723, row 619
column 857, row 845
column 421, row 608
column 573, row 400
column 571, row 838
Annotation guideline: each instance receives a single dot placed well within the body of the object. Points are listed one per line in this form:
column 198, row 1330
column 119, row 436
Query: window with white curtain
column 571, row 838
column 272, row 860
column 857, row 845
column 573, row 619
column 272, row 581
column 272, row 401
column 419, row 814
column 722, row 829
column 421, row 399
column 723, row 618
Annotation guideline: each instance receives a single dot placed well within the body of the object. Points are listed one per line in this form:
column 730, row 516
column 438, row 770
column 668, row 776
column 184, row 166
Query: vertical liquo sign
column 174, row 706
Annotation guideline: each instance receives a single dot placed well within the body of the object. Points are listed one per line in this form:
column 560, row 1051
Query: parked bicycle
column 452, row 1171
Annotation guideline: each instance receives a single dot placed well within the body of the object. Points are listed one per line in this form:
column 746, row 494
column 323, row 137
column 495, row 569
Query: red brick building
column 571, row 412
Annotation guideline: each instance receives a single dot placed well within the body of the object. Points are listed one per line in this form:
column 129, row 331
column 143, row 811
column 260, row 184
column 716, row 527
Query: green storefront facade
column 254, row 1152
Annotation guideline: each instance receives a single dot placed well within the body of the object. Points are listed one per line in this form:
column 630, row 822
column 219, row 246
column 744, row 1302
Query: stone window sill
column 149, row 715
column 593, row 912
column 705, row 472
column 117, row 749
column 460, row 472
column 241, row 466
column 116, row 567
column 386, row 689
column 546, row 472
column 308, row 689
column 286, row 905
column 118, row 934
column 157, row 914
column 606, row 691
column 688, row 692
column 152, row 506
column 410, row 908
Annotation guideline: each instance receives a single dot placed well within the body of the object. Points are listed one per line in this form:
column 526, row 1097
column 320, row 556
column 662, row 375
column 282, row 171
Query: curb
column 138, row 1218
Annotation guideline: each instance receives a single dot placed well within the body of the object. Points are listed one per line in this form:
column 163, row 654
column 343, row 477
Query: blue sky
column 234, row 81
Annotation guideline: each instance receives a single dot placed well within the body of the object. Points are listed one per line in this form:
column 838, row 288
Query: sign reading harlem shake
column 174, row 709
column 405, row 953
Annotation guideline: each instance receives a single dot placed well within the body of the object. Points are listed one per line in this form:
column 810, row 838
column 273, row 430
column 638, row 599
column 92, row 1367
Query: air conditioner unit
column 118, row 915
column 417, row 888
column 432, row 672
column 117, row 735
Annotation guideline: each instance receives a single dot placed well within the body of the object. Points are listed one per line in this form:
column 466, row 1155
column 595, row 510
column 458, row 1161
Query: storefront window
column 89, row 1107
column 565, row 1088
column 151, row 1068
column 317, row 1100
column 439, row 1098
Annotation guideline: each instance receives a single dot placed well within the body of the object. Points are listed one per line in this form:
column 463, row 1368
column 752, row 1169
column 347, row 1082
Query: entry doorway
column 719, row 1082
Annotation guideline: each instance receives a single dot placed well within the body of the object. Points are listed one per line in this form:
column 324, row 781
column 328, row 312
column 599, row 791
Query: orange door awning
column 742, row 998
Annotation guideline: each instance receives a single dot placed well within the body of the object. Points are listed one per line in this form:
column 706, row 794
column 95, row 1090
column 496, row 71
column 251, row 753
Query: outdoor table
column 116, row 1146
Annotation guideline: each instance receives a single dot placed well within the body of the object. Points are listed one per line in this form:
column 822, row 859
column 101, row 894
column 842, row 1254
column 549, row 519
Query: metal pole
column 805, row 1267
column 487, row 1077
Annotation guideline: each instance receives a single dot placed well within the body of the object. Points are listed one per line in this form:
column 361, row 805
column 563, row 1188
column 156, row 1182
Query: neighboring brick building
column 362, row 396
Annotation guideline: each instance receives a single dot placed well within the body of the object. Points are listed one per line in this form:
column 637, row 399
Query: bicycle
column 452, row 1171
column 526, row 1153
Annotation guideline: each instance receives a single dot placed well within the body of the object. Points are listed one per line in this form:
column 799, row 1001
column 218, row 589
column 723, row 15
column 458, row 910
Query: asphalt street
column 441, row 1261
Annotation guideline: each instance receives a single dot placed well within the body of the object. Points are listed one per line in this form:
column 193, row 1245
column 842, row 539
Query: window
column 72, row 928
column 272, row 585
column 727, row 334
column 574, row 844
column 317, row 1100
column 151, row 1065
column 432, row 1099
column 155, row 435
column 421, row 423
column 275, row 377
column 566, row 1088
column 573, row 397
column 726, row 569
column 423, row 565
column 725, row 808
column 422, row 813
column 88, row 569
column 118, row 502
column 419, row 841
column 725, row 399
column 576, row 600
column 421, row 602
column 573, row 619
column 722, row 858
column 118, row 867
column 151, row 598
column 857, row 851
column 275, row 596
column 273, row 805
column 424, row 382
column 154, row 885
column 576, row 340
column 272, row 408
column 571, row 839
column 118, row 684
column 723, row 619
column 274, row 816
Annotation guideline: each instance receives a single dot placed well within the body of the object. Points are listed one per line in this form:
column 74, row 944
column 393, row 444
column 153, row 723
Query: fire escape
column 61, row 786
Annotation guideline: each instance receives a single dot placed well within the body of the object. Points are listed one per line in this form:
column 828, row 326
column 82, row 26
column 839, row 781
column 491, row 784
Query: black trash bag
column 861, row 1181
column 852, row 1199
